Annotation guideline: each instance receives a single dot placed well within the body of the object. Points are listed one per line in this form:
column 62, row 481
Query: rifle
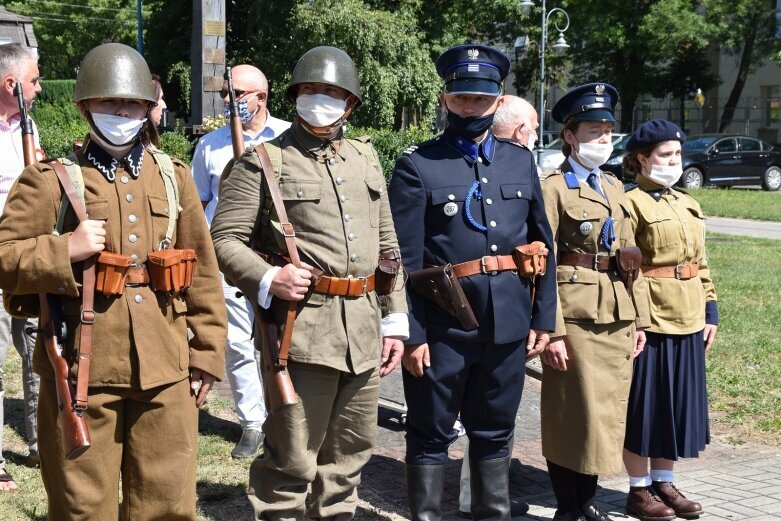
column 75, row 435
column 28, row 139
column 237, row 133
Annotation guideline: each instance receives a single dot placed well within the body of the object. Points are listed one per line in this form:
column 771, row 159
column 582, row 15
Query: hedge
column 390, row 144
column 57, row 92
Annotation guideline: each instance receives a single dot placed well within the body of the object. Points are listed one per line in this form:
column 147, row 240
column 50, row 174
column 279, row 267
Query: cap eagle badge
column 473, row 54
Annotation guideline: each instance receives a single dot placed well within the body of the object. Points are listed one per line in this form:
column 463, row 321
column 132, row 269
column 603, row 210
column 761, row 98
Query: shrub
column 59, row 126
column 390, row 144
column 57, row 92
column 176, row 144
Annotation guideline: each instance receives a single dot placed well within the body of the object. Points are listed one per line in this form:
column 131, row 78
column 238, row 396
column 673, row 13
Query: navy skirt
column 667, row 415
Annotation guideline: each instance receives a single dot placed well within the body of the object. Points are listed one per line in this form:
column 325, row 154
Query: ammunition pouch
column 628, row 262
column 112, row 269
column 387, row 271
column 531, row 259
column 171, row 271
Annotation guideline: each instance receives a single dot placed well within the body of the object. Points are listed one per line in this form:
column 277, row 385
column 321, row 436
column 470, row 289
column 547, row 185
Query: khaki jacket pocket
column 578, row 292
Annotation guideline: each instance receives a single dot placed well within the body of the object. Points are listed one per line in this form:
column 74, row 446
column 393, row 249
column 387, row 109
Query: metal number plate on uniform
column 451, row 209
column 586, row 227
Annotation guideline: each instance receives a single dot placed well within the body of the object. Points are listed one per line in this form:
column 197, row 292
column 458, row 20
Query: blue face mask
column 244, row 113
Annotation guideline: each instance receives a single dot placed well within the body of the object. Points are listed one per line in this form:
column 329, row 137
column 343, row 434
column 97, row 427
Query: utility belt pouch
column 531, row 259
column 186, row 268
column 628, row 262
column 440, row 285
column 387, row 271
column 165, row 271
column 111, row 273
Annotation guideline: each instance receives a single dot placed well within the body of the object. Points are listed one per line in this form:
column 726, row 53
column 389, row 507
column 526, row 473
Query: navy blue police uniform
column 455, row 200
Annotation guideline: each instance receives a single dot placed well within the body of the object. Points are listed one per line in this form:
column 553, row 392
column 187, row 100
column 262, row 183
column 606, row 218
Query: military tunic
column 336, row 200
column 584, row 408
column 141, row 351
column 668, row 403
column 455, row 200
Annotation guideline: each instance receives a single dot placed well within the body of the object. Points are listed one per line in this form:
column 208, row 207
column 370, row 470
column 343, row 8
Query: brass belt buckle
column 484, row 266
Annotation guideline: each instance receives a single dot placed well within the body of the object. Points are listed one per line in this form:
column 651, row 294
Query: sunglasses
column 239, row 93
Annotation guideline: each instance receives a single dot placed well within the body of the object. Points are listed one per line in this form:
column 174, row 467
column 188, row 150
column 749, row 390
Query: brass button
column 628, row 357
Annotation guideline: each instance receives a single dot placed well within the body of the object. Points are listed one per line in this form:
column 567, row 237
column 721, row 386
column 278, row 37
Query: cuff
column 712, row 313
column 396, row 325
column 264, row 297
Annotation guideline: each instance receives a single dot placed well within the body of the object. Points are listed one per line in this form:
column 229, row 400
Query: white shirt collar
column 581, row 172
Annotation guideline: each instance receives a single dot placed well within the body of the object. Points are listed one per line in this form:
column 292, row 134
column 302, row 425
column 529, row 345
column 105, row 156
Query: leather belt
column 137, row 276
column 680, row 271
column 598, row 262
column 489, row 264
column 349, row 287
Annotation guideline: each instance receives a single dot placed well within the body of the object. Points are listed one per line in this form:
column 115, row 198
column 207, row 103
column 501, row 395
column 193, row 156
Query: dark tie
column 593, row 182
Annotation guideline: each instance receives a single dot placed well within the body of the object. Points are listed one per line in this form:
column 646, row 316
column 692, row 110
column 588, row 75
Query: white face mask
column 320, row 110
column 118, row 130
column 665, row 175
column 593, row 155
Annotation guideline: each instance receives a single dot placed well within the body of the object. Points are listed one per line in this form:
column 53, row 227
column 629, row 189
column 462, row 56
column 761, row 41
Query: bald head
column 251, row 86
column 249, row 78
column 516, row 119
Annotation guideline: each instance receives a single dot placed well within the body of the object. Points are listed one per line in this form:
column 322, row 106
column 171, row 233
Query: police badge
column 599, row 89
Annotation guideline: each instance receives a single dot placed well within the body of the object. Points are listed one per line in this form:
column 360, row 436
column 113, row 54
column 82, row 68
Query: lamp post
column 559, row 46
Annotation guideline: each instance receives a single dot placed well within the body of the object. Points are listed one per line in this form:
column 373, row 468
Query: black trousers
column 573, row 490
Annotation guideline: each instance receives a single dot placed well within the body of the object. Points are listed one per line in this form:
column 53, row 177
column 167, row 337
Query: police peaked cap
column 473, row 69
column 589, row 102
column 655, row 131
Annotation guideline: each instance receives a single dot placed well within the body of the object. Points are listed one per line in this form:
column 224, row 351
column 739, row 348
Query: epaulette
column 549, row 173
column 412, row 148
column 679, row 189
column 630, row 186
column 363, row 139
column 179, row 162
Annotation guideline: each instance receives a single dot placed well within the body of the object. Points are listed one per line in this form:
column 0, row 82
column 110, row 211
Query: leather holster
column 440, row 285
column 628, row 262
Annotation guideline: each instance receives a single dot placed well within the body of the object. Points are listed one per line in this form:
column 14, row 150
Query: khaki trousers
column 324, row 440
column 147, row 437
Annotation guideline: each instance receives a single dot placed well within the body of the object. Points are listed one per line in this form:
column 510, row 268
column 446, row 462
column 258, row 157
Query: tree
column 66, row 31
column 749, row 31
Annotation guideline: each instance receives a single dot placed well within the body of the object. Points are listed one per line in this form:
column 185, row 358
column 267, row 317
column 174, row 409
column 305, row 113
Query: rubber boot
column 424, row 491
column 491, row 489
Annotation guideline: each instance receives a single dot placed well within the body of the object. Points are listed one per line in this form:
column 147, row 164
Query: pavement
column 745, row 227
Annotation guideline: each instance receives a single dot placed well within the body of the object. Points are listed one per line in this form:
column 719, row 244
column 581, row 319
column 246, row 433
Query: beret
column 655, row 131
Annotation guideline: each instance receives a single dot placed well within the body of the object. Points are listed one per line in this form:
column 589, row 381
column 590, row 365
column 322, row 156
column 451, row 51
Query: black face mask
column 469, row 127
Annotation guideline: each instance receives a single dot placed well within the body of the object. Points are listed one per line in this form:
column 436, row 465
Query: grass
column 740, row 204
column 744, row 367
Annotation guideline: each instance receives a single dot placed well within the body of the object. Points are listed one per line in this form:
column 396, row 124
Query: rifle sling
column 87, row 293
column 290, row 242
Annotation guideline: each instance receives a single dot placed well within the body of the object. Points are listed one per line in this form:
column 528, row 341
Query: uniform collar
column 317, row 148
column 653, row 189
column 580, row 171
column 108, row 164
column 470, row 149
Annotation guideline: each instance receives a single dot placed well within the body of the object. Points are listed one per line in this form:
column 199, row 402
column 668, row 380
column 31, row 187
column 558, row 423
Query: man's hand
column 200, row 384
column 291, row 283
column 416, row 358
column 536, row 342
column 88, row 239
column 392, row 349
column 555, row 355
column 710, row 335
column 639, row 343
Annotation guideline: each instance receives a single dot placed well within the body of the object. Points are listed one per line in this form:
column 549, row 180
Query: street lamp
column 559, row 46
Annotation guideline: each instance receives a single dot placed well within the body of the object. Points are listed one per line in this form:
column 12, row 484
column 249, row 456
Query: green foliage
column 57, row 92
column 59, row 126
column 178, row 77
column 390, row 144
column 176, row 144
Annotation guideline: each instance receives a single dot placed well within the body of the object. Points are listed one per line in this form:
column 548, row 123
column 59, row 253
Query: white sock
column 642, row 481
column 662, row 475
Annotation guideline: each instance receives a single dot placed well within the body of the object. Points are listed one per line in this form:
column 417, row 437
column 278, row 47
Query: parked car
column 552, row 157
column 616, row 161
column 728, row 160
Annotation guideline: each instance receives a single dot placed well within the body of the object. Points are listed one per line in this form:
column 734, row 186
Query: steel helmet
column 327, row 65
column 114, row 70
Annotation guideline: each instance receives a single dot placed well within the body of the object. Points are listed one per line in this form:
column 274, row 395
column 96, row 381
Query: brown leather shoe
column 642, row 502
column 675, row 499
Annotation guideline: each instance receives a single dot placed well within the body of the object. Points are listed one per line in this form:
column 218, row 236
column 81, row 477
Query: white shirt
column 213, row 152
column 12, row 162
column 582, row 173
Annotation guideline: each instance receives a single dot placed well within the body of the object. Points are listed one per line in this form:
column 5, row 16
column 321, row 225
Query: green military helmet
column 327, row 65
column 114, row 70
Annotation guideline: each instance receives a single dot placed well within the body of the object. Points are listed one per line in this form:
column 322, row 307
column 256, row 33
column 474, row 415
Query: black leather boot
column 424, row 491
column 490, row 489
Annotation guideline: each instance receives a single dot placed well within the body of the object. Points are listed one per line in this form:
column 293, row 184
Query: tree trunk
column 628, row 103
column 740, row 81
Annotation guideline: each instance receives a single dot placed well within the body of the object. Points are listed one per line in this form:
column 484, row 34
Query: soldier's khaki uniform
column 671, row 232
column 584, row 408
column 141, row 416
column 338, row 206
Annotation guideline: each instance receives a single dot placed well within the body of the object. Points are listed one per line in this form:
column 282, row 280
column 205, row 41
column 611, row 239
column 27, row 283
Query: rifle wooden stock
column 28, row 148
column 26, row 124
column 279, row 386
column 75, row 435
